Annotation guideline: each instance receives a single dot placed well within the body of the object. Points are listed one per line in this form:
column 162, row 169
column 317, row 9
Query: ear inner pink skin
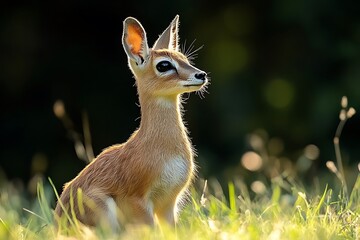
column 134, row 39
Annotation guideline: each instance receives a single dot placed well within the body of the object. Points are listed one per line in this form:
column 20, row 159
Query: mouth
column 193, row 85
column 196, row 84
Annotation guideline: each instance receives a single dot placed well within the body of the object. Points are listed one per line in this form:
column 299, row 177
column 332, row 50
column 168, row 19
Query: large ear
column 134, row 40
column 169, row 39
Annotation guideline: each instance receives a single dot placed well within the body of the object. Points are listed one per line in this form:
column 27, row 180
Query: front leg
column 167, row 213
column 137, row 210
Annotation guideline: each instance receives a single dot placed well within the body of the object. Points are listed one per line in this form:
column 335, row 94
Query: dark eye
column 164, row 66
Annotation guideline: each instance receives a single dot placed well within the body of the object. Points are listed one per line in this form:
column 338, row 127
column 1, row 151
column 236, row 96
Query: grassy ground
column 275, row 214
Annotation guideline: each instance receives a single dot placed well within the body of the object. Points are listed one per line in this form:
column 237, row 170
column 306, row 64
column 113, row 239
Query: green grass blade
column 321, row 202
column 43, row 203
column 232, row 197
column 61, row 204
column 355, row 194
column 275, row 198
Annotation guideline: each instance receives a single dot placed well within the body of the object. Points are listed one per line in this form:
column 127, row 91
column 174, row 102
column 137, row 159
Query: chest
column 173, row 177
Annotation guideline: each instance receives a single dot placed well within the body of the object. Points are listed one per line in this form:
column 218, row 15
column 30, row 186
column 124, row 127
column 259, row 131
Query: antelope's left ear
column 134, row 41
column 169, row 39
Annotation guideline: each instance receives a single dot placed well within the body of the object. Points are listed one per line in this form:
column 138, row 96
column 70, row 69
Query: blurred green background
column 278, row 71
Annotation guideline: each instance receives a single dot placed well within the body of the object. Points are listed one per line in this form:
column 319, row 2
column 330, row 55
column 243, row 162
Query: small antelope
column 146, row 177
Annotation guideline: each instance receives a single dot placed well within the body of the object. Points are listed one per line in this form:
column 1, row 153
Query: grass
column 282, row 209
column 209, row 215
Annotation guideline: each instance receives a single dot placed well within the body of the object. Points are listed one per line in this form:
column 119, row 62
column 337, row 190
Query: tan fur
column 147, row 175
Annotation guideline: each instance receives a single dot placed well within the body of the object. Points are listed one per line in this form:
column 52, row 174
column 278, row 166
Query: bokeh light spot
column 256, row 142
column 311, row 152
column 251, row 161
column 258, row 187
column 279, row 93
column 59, row 109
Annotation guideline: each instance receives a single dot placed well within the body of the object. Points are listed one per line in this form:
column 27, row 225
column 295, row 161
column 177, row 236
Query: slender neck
column 161, row 117
column 162, row 129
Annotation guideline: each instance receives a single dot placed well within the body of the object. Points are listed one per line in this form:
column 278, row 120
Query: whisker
column 201, row 93
column 196, row 50
column 186, row 97
column 183, row 48
column 191, row 47
column 193, row 54
column 189, row 52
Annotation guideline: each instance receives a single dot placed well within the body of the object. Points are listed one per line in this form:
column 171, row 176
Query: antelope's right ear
column 134, row 41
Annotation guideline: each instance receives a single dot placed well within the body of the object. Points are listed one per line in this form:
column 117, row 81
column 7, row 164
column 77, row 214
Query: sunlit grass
column 276, row 208
column 207, row 215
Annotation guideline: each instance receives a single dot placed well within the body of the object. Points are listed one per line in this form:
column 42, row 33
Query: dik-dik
column 146, row 177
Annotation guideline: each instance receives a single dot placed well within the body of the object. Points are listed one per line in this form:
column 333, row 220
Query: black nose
column 201, row 75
